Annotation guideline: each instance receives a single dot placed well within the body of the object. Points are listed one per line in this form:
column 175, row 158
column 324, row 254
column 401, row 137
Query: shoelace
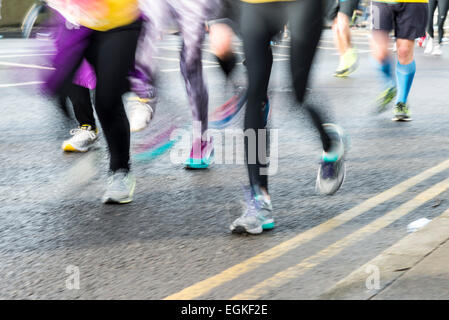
column 251, row 209
column 252, row 204
column 401, row 107
column 80, row 134
column 327, row 167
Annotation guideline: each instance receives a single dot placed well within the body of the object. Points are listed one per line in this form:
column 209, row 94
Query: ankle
column 261, row 192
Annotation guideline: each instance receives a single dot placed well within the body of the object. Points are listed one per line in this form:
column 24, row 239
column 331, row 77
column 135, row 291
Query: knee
column 405, row 55
column 343, row 22
column 220, row 36
column 381, row 53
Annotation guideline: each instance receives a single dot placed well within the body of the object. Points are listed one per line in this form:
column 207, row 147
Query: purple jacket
column 85, row 76
column 70, row 44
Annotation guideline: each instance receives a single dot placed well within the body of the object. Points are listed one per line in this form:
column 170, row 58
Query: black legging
column 260, row 22
column 82, row 105
column 443, row 7
column 112, row 55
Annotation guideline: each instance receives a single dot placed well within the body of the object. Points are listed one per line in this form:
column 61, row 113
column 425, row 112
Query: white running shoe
column 437, row 50
column 82, row 139
column 429, row 46
column 141, row 112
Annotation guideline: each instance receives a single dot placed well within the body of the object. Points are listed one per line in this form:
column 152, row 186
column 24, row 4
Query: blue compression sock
column 387, row 75
column 405, row 74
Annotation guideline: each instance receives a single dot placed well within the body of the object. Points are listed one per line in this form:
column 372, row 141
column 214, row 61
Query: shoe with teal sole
column 201, row 155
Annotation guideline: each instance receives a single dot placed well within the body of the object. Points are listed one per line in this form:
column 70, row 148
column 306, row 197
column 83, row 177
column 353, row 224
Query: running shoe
column 141, row 111
column 429, row 46
column 332, row 169
column 82, row 139
column 401, row 112
column 257, row 216
column 121, row 188
column 201, row 158
column 348, row 63
column 385, row 98
column 437, row 50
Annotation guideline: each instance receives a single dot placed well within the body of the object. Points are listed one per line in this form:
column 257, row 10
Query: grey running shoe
column 121, row 188
column 332, row 170
column 257, row 216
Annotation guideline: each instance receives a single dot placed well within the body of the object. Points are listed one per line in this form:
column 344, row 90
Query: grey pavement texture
column 413, row 268
column 176, row 231
column 428, row 280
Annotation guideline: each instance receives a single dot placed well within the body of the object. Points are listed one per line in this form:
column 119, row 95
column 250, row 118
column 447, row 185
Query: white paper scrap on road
column 417, row 224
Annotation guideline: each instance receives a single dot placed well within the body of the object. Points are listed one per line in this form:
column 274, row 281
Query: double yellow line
column 203, row 287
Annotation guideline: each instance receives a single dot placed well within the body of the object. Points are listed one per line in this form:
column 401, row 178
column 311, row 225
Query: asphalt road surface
column 173, row 240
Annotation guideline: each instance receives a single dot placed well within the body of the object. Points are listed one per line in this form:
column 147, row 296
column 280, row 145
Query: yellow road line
column 234, row 272
column 286, row 275
column 435, row 233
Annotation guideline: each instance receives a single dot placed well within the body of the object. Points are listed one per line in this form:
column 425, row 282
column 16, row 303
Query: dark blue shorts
column 408, row 20
column 344, row 6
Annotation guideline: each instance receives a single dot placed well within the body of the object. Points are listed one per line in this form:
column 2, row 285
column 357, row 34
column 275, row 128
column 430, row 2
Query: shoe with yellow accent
column 401, row 112
column 348, row 63
column 140, row 112
column 82, row 139
column 384, row 99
